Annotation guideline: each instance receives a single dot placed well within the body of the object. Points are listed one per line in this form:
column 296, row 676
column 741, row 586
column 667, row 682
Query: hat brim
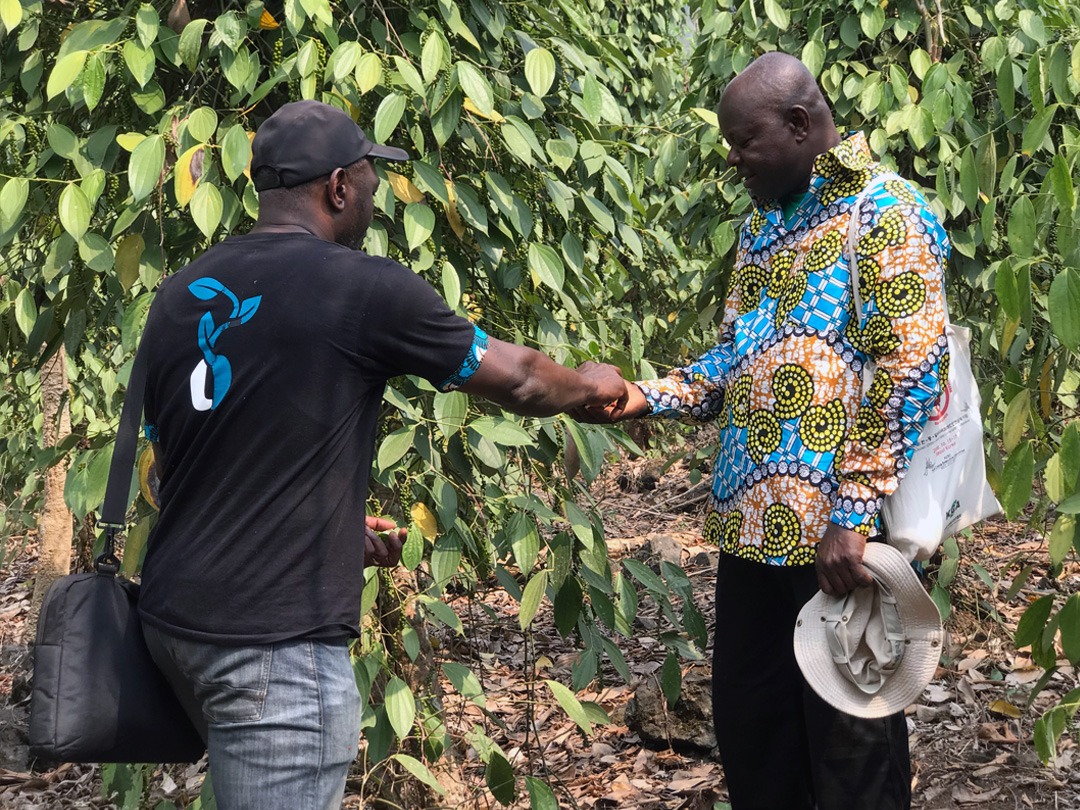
column 923, row 633
column 391, row 153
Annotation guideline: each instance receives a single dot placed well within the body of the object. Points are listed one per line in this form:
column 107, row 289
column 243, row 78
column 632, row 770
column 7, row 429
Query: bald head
column 776, row 121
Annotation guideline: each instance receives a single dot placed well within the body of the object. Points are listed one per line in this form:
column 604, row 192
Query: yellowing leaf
column 148, row 478
column 189, row 171
column 403, row 188
column 129, row 140
column 452, row 215
column 423, row 518
column 1005, row 708
column 247, row 169
column 470, row 107
column 267, row 21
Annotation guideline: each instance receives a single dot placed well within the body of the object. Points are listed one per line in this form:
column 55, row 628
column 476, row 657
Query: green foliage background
column 569, row 192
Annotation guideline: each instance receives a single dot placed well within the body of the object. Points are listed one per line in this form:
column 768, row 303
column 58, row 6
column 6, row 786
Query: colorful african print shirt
column 802, row 440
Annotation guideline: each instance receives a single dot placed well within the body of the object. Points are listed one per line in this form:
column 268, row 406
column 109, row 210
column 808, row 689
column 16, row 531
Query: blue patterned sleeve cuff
column 150, row 431
column 470, row 364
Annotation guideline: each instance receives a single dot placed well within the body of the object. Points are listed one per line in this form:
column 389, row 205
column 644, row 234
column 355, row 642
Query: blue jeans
column 281, row 721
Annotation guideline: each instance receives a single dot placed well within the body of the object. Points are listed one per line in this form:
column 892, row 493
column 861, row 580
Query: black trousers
column 782, row 747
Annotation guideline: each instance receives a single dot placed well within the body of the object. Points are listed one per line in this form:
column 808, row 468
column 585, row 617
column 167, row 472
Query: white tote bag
column 945, row 489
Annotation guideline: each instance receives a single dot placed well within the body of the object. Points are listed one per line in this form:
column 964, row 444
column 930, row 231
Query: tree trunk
column 55, row 531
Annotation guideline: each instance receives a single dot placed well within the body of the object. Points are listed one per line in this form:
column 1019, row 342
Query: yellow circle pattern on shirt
column 869, row 428
column 732, row 531
column 880, row 388
column 779, row 270
column 753, row 279
column 825, row 252
column 890, row 231
column 822, row 427
column 763, row 435
column 740, row 400
column 803, row 555
column 878, row 338
column 782, row 530
column 793, row 390
column 791, row 296
column 901, row 191
column 714, row 529
column 903, row 296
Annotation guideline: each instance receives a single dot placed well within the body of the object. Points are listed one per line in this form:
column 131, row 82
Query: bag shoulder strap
column 123, row 461
column 852, row 233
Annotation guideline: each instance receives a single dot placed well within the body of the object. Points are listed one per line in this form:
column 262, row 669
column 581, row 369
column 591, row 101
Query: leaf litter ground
column 970, row 733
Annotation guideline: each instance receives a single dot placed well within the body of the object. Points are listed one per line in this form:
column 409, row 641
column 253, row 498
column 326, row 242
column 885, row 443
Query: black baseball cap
column 308, row 139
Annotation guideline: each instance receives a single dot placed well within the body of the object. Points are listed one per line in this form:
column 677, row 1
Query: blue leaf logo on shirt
column 216, row 365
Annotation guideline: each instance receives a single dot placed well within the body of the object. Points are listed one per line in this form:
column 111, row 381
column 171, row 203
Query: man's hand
column 609, row 383
column 630, row 404
column 382, row 550
column 839, row 561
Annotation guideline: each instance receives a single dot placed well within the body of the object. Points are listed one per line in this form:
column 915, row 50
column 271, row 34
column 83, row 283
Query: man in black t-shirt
column 268, row 357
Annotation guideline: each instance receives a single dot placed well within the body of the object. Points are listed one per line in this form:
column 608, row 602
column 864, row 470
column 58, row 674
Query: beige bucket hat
column 872, row 652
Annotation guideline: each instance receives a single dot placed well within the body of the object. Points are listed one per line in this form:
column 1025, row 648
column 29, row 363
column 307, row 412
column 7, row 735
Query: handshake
column 614, row 399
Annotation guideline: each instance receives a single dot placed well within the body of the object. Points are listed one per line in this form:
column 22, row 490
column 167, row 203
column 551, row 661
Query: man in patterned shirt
column 805, row 455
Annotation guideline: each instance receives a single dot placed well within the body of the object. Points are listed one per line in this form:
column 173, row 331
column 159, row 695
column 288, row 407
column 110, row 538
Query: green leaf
column 1070, row 506
column 64, row 73
column 1016, row 418
column 472, row 210
column 419, row 224
column 568, row 604
column 191, row 40
column 1021, row 229
column 1031, row 624
column 1048, row 729
column 412, row 552
column 778, row 15
column 571, row 705
column 1007, row 293
column 395, row 446
column 13, row 198
column 541, row 796
column 467, row 684
column 419, row 770
column 75, row 210
column 206, row 208
column 1064, row 535
column 500, row 779
column 144, row 168
column 25, row 311
column 476, row 87
column 445, row 558
column 11, row 14
column 93, row 81
column 369, row 72
column 592, row 100
column 235, row 151
column 645, row 575
column 1036, row 130
column 531, row 598
column 671, row 679
column 147, row 23
column 387, row 116
column 539, row 70
column 400, row 706
column 434, row 56
column 128, row 258
column 524, row 540
column 546, row 264
column 1069, row 627
column 1063, row 305
column 450, row 412
column 502, row 431
column 140, row 61
column 1017, row 478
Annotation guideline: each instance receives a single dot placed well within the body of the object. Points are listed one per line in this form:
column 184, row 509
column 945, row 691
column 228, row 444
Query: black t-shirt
column 267, row 362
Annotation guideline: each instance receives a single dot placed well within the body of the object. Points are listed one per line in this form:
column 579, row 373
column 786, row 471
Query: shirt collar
column 851, row 156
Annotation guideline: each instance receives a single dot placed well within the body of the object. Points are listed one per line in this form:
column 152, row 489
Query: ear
column 799, row 122
column 337, row 190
